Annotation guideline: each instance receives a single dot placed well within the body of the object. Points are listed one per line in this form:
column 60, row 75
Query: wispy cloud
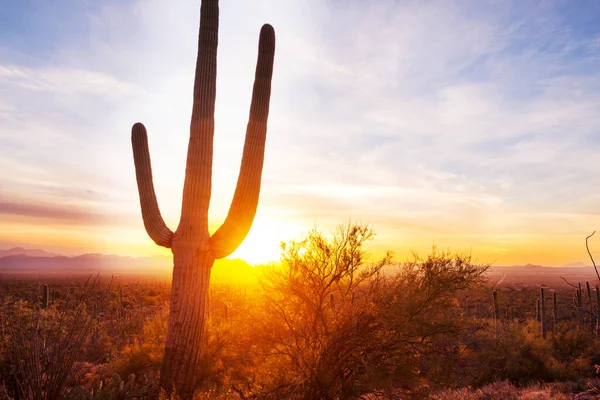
column 470, row 124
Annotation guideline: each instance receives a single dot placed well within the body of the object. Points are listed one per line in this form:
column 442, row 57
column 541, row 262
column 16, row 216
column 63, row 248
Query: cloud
column 56, row 214
column 463, row 122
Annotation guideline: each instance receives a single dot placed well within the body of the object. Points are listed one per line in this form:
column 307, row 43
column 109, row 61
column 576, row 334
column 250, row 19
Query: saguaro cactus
column 542, row 302
column 194, row 249
column 577, row 303
column 590, row 307
column 45, row 297
column 554, row 312
column 597, row 310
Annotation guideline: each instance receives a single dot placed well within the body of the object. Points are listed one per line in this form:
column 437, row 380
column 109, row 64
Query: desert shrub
column 112, row 386
column 422, row 317
column 146, row 350
column 334, row 327
column 307, row 303
column 45, row 347
column 502, row 390
column 516, row 353
column 512, row 352
column 570, row 341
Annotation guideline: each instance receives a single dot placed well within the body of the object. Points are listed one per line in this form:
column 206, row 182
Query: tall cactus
column 194, row 249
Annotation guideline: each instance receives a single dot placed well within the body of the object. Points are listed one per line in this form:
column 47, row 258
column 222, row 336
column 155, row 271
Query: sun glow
column 263, row 243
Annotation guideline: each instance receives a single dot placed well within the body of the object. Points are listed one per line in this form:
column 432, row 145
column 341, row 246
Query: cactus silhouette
column 554, row 312
column 597, row 310
column 542, row 303
column 579, row 305
column 590, row 307
column 194, row 249
column 45, row 297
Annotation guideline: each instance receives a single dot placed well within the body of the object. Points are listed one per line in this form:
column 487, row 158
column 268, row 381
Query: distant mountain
column 40, row 262
column 578, row 264
column 537, row 270
column 27, row 252
column 533, row 266
column 86, row 263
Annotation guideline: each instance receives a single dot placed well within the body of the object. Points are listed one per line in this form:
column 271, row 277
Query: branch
column 245, row 199
column 153, row 221
column 198, row 167
column 570, row 284
column 590, row 254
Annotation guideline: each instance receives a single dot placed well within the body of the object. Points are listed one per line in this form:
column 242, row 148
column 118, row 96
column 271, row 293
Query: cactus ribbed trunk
column 194, row 249
column 188, row 307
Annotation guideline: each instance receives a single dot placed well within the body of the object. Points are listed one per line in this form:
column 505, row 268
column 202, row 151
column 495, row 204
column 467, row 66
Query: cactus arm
column 245, row 199
column 153, row 221
column 198, row 170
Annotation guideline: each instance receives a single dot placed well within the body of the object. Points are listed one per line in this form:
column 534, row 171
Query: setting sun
column 430, row 167
column 263, row 243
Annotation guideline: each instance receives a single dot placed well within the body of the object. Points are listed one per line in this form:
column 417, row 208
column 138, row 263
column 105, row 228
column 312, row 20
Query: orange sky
column 441, row 123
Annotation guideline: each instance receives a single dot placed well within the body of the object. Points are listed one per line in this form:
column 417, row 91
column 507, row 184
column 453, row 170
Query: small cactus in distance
column 45, row 297
column 542, row 301
column 590, row 306
column 554, row 311
column 579, row 305
column 597, row 310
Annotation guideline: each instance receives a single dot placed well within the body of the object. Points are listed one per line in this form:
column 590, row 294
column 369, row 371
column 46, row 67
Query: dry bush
column 503, row 391
column 45, row 347
column 146, row 349
column 332, row 326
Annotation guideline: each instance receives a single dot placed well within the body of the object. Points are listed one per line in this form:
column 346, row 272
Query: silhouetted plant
column 194, row 249
column 396, row 325
column 542, row 305
column 45, row 346
column 554, row 311
column 45, row 297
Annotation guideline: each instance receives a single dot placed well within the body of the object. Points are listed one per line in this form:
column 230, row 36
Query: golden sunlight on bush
column 146, row 350
column 324, row 323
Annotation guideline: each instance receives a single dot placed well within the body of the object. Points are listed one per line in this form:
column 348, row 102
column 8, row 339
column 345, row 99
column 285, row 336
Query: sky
column 469, row 125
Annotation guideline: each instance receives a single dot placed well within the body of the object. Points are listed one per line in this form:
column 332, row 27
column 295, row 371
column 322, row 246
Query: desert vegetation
column 194, row 249
column 327, row 322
